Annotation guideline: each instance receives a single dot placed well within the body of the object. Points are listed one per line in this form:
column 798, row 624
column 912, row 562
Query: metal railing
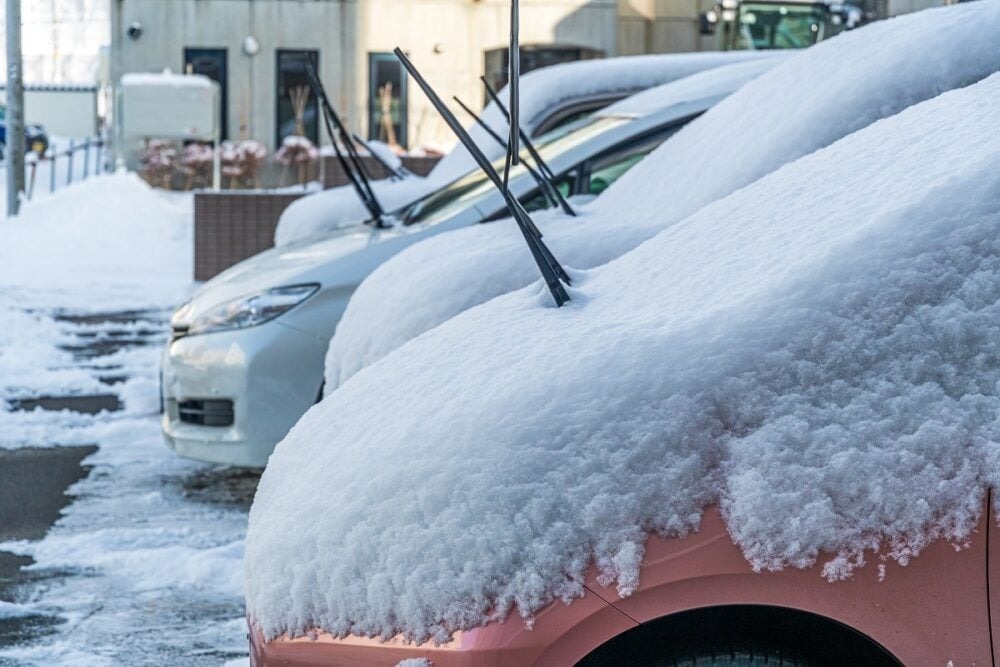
column 82, row 158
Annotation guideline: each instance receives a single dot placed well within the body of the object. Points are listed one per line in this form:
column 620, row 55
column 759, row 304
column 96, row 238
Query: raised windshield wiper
column 530, row 147
column 552, row 272
column 545, row 185
column 352, row 169
column 395, row 173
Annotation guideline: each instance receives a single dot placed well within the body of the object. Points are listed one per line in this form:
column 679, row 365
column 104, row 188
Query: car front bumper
column 229, row 397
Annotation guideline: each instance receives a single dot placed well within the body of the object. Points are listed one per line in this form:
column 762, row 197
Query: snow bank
column 804, row 103
column 113, row 231
column 824, row 369
column 541, row 90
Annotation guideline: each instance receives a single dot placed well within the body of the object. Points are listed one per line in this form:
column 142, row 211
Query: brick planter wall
column 231, row 226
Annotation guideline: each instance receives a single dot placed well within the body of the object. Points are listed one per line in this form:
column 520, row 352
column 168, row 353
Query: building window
column 387, row 117
column 298, row 111
column 212, row 63
column 533, row 57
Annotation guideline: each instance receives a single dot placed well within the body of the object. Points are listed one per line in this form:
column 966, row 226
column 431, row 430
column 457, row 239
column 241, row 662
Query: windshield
column 768, row 25
column 476, row 184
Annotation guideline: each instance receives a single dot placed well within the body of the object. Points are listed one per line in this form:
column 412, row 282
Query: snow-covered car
column 801, row 105
column 550, row 97
column 797, row 402
column 246, row 357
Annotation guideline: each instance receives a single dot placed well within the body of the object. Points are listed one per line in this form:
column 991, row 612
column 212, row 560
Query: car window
column 602, row 177
column 460, row 193
column 538, row 201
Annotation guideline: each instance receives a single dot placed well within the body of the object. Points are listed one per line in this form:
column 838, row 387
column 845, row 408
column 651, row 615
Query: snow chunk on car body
column 805, row 103
column 541, row 91
column 825, row 371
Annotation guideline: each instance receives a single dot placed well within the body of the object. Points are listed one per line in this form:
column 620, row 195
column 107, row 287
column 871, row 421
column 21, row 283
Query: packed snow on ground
column 805, row 103
column 824, row 370
column 145, row 564
column 541, row 90
column 132, row 245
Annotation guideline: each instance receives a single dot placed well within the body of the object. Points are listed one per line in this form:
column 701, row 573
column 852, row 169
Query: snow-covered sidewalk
column 145, row 564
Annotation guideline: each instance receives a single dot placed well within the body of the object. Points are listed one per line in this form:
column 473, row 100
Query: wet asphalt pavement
column 37, row 485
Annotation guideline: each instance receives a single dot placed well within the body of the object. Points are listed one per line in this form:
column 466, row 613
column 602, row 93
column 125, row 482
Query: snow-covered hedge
column 803, row 104
column 541, row 90
column 820, row 361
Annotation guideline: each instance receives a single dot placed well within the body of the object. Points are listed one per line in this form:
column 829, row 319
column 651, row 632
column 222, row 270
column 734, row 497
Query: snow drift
column 802, row 104
column 825, row 369
column 541, row 90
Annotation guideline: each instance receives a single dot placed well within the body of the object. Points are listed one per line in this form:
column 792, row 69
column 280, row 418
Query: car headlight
column 251, row 310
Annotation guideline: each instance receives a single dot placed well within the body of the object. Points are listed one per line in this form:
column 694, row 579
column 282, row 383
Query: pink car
column 699, row 598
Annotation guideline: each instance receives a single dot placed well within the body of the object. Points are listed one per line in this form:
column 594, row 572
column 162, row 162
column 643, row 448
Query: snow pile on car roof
column 802, row 104
column 541, row 90
column 825, row 370
column 545, row 88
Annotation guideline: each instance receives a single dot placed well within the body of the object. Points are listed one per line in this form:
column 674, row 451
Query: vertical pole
column 86, row 157
column 31, row 181
column 69, row 163
column 15, row 109
column 52, row 171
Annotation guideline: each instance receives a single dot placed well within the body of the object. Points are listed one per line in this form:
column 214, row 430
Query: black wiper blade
column 544, row 184
column 395, row 173
column 530, row 147
column 351, row 169
column 552, row 272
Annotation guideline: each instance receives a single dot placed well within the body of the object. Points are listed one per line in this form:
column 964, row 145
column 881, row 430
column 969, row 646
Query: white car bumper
column 229, row 397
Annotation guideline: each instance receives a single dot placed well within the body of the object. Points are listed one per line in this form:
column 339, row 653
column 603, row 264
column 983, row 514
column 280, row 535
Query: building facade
column 255, row 49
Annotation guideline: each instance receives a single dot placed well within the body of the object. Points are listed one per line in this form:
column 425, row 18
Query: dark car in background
column 35, row 138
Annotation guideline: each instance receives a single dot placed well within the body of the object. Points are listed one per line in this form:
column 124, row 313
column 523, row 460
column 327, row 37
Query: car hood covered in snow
column 825, row 371
column 541, row 91
column 804, row 103
column 278, row 267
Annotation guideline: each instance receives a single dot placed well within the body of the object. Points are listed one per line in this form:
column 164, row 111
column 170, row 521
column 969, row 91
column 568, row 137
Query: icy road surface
column 144, row 565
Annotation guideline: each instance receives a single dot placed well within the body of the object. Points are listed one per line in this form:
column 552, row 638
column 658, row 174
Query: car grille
column 177, row 332
column 209, row 412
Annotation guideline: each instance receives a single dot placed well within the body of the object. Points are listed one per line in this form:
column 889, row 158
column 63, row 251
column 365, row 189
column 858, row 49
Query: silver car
column 245, row 359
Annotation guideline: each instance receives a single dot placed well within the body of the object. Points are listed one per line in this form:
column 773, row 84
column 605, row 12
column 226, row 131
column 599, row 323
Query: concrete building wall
column 446, row 39
column 170, row 26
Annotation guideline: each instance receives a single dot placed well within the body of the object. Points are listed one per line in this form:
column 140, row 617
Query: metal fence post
column 69, row 164
column 31, row 180
column 86, row 158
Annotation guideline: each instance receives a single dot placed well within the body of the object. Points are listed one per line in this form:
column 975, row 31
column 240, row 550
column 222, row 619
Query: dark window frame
column 311, row 126
column 189, row 54
column 402, row 133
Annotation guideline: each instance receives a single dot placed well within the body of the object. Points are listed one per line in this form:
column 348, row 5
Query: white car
column 246, row 356
column 550, row 97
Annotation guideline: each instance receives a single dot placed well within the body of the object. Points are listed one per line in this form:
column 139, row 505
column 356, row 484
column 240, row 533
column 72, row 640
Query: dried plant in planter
column 387, row 131
column 232, row 164
column 297, row 153
column 254, row 154
column 299, row 96
column 157, row 162
column 196, row 165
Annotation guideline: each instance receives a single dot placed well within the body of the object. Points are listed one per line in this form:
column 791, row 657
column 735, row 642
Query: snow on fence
column 60, row 166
